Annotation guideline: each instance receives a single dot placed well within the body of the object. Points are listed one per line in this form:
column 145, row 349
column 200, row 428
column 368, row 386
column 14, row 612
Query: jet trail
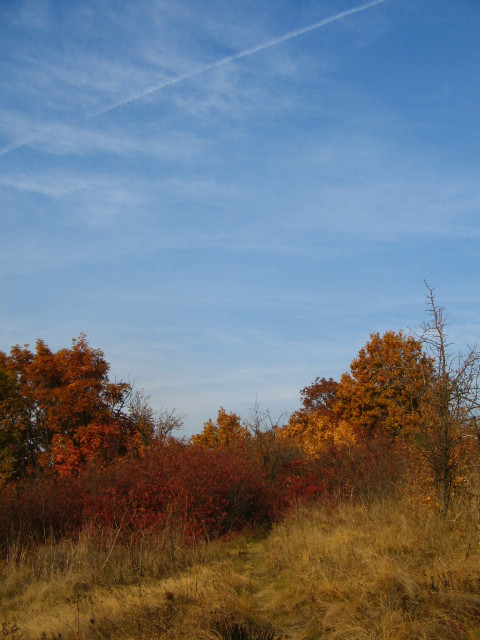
column 192, row 74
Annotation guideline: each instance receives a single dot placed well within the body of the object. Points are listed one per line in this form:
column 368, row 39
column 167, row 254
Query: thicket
column 188, row 491
column 81, row 453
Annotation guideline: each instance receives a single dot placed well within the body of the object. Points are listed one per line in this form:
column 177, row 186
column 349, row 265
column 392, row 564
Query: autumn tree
column 381, row 395
column 315, row 427
column 59, row 409
column 319, row 396
column 14, row 453
column 227, row 431
column 316, row 412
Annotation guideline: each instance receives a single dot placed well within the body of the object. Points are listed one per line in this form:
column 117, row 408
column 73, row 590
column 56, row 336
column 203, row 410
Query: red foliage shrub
column 197, row 491
column 363, row 471
column 192, row 490
column 200, row 491
column 36, row 509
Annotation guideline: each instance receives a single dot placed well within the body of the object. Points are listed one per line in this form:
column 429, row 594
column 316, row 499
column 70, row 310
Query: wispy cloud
column 146, row 91
column 228, row 59
column 172, row 146
column 356, row 186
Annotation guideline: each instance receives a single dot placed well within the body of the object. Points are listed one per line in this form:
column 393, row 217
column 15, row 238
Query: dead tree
column 450, row 402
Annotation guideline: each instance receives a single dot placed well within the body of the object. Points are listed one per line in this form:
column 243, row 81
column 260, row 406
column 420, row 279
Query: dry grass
column 158, row 589
column 383, row 571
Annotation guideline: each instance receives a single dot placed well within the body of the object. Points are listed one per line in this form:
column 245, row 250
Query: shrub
column 190, row 489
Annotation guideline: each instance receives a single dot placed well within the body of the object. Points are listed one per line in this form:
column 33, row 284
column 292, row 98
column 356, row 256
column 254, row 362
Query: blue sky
column 228, row 229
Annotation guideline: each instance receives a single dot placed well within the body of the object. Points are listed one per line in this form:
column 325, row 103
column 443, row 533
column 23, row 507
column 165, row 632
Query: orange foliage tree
column 59, row 409
column 226, row 432
column 315, row 427
column 319, row 396
column 382, row 395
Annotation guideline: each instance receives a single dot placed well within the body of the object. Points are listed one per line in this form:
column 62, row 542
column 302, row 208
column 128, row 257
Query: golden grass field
column 389, row 570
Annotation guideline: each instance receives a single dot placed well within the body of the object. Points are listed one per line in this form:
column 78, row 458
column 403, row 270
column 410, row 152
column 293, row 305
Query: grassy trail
column 198, row 600
column 386, row 571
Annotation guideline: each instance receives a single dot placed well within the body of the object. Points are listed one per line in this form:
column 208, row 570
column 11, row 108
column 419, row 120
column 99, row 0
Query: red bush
column 190, row 489
column 197, row 491
column 200, row 491
column 364, row 471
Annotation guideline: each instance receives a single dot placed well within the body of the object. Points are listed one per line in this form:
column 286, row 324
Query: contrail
column 196, row 72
